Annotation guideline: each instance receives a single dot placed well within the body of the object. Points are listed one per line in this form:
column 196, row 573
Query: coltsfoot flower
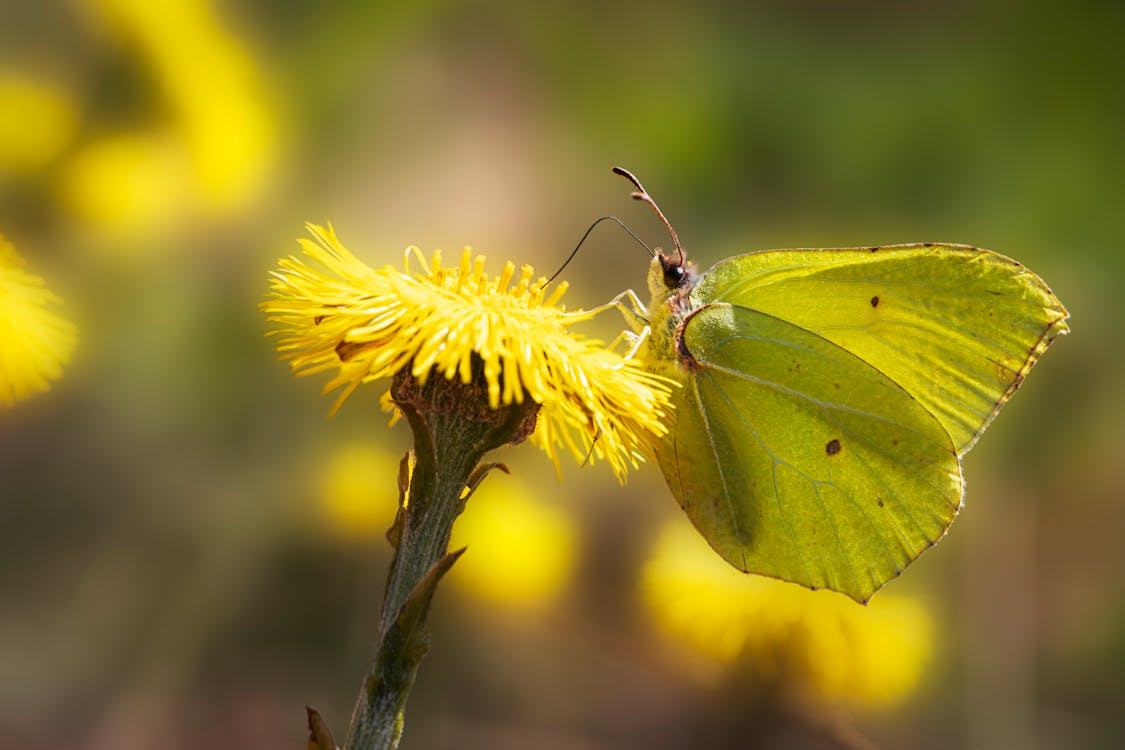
column 366, row 324
column 35, row 343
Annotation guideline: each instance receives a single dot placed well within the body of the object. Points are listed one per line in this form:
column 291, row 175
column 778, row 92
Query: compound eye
column 673, row 275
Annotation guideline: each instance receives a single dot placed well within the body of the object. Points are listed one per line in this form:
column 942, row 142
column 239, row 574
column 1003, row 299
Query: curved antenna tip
column 642, row 195
column 630, row 177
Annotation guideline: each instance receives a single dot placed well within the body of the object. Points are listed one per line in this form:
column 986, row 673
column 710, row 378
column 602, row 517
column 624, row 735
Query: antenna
column 642, row 195
column 576, row 247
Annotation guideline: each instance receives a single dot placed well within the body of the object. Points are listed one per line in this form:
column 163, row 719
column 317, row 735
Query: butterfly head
column 674, row 269
column 670, row 274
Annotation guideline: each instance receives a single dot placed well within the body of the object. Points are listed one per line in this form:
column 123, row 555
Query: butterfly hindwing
column 797, row 459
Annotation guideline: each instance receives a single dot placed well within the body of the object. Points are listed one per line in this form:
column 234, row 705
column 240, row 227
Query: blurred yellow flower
column 128, row 183
column 521, row 552
column 359, row 489
column 39, row 121
column 218, row 145
column 34, row 342
column 368, row 324
column 871, row 655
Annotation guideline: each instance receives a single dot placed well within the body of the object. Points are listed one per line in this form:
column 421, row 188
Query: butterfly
column 827, row 396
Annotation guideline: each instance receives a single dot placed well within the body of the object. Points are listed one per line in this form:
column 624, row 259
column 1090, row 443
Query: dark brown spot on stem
column 833, row 447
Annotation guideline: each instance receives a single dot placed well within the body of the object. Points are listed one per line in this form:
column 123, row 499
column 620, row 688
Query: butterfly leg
column 627, row 303
column 635, row 314
column 635, row 341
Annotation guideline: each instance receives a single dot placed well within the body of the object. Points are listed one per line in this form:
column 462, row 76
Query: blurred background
column 192, row 551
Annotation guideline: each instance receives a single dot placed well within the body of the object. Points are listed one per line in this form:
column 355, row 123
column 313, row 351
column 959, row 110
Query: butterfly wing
column 956, row 326
column 799, row 460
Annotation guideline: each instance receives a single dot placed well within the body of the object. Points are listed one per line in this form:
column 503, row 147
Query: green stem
column 453, row 429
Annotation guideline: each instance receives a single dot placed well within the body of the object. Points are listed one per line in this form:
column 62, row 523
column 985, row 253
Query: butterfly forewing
column 957, row 327
column 797, row 459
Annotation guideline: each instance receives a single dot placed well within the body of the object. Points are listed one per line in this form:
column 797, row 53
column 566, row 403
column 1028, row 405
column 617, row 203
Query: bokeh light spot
column 521, row 551
column 359, row 489
column 871, row 656
column 38, row 122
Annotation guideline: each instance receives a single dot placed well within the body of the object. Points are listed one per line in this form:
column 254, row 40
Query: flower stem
column 453, row 429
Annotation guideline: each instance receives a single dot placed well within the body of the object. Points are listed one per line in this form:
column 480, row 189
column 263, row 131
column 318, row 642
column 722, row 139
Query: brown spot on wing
column 875, row 301
column 833, row 447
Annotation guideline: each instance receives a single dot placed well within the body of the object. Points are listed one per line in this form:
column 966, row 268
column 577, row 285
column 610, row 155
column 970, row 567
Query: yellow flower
column 223, row 118
column 128, row 183
column 34, row 343
column 368, row 324
column 521, row 551
column 871, row 655
column 39, row 122
column 357, row 489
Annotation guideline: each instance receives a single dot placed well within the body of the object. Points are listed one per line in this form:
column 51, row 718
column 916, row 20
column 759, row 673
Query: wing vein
column 817, row 402
column 775, row 461
column 722, row 474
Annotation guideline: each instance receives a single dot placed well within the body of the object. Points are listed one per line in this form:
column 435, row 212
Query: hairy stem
column 453, row 429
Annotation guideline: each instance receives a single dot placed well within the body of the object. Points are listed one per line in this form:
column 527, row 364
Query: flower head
column 34, row 342
column 368, row 324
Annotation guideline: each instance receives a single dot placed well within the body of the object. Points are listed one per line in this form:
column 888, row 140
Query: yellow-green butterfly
column 828, row 395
